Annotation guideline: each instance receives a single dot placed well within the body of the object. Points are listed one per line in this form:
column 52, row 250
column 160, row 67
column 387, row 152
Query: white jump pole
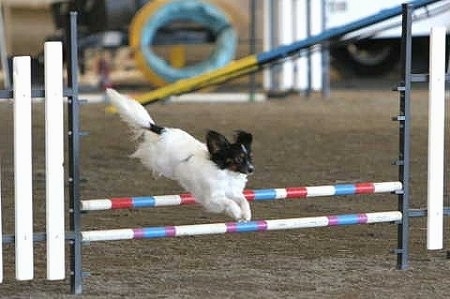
column 54, row 160
column 23, row 194
column 436, row 131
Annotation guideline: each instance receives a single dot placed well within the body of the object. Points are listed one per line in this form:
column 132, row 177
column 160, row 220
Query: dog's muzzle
column 250, row 169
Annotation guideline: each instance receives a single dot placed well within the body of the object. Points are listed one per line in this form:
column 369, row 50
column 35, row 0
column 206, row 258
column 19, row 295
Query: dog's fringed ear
column 216, row 142
column 244, row 138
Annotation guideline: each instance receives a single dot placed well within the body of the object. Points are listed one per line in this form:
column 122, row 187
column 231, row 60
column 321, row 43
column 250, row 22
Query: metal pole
column 325, row 49
column 74, row 151
column 404, row 140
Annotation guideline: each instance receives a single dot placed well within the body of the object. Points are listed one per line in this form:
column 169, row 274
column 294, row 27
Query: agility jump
column 56, row 237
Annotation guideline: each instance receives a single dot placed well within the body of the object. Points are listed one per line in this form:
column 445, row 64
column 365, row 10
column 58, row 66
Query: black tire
column 369, row 57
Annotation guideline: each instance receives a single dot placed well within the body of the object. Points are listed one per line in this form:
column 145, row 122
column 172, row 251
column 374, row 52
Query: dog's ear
column 216, row 142
column 244, row 138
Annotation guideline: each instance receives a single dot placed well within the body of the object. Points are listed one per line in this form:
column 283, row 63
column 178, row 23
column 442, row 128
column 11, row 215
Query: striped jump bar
column 239, row 227
column 251, row 195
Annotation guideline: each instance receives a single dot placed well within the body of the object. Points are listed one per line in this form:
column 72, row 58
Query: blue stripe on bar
column 143, row 201
column 152, row 232
column 348, row 219
column 345, row 189
column 242, row 227
column 264, row 194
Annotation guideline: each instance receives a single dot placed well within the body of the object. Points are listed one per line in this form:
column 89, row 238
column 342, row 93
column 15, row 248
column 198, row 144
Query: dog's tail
column 132, row 112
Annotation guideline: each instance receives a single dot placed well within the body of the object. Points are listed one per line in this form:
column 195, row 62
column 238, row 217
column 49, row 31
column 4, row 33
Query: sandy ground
column 298, row 142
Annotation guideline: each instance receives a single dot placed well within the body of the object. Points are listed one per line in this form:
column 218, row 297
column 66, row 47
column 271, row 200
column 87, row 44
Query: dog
column 215, row 173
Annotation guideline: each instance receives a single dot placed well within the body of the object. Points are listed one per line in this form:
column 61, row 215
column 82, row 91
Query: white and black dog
column 215, row 173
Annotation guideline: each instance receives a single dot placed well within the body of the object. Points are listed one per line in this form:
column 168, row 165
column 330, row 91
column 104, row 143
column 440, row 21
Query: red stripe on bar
column 121, row 203
column 249, row 195
column 296, row 192
column 187, row 199
column 364, row 188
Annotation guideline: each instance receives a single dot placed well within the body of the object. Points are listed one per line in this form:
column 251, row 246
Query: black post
column 74, row 150
column 404, row 123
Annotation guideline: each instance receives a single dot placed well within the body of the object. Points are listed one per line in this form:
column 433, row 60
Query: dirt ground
column 298, row 141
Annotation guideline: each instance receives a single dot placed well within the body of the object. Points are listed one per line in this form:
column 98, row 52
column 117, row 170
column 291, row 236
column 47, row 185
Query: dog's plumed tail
column 131, row 111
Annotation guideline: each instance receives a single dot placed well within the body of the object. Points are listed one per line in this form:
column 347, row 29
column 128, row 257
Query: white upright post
column 267, row 41
column 303, row 13
column 316, row 57
column 436, row 131
column 23, row 195
column 286, row 34
column 54, row 160
column 301, row 19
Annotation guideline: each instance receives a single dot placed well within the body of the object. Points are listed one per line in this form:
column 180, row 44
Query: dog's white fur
column 177, row 155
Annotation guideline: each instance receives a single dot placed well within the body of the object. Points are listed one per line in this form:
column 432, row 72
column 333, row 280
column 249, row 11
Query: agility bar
column 250, row 195
column 239, row 227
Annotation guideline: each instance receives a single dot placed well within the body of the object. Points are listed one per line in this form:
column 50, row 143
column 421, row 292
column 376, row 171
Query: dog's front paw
column 244, row 219
column 246, row 215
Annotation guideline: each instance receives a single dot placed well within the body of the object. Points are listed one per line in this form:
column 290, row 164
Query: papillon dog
column 215, row 173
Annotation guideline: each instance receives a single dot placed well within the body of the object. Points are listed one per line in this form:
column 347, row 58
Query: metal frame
column 76, row 279
column 407, row 78
column 404, row 120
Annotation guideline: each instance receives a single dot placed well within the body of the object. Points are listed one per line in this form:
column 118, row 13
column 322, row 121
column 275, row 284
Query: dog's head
column 235, row 156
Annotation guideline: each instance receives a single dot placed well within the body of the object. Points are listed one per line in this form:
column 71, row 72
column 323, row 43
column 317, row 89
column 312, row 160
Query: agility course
column 394, row 216
column 256, row 62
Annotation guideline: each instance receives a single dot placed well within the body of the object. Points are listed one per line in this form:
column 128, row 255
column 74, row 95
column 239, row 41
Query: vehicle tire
column 369, row 57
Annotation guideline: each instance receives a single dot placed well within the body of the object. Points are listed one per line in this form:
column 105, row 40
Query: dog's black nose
column 251, row 169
